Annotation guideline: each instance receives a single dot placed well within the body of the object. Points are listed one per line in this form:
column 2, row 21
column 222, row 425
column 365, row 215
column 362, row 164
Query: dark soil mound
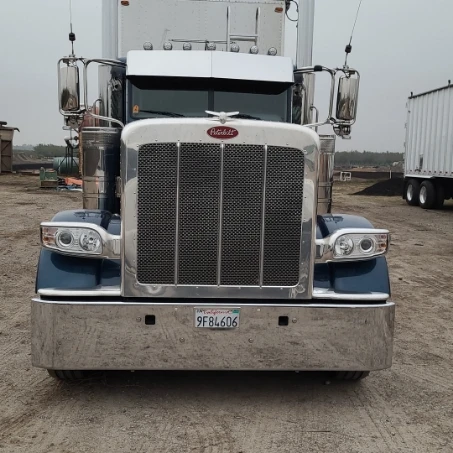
column 389, row 188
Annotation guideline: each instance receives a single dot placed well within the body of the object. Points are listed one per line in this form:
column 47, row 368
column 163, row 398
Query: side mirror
column 347, row 97
column 69, row 89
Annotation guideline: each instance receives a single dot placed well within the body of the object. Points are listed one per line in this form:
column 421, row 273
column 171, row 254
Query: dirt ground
column 407, row 408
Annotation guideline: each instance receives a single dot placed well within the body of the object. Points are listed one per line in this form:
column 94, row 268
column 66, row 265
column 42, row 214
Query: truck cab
column 206, row 239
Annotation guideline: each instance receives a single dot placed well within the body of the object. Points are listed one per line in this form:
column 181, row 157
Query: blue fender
column 66, row 272
column 353, row 277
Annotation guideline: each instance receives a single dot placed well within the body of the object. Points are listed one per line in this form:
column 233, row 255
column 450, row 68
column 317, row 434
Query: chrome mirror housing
column 69, row 89
column 347, row 97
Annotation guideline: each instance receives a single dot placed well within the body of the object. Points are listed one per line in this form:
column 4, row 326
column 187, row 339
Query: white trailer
column 428, row 166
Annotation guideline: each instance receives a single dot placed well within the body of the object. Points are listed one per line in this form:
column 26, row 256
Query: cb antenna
column 72, row 36
column 348, row 49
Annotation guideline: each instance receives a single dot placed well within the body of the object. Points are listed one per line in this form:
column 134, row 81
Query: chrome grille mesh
column 282, row 224
column 224, row 215
column 199, row 177
column 242, row 201
column 156, row 232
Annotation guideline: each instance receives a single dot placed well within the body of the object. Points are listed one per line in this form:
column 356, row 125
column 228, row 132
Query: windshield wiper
column 244, row 116
column 159, row 112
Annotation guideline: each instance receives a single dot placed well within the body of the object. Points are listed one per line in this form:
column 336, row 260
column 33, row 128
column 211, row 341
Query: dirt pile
column 388, row 188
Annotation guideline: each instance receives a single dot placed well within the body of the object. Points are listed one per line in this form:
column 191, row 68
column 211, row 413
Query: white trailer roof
column 207, row 64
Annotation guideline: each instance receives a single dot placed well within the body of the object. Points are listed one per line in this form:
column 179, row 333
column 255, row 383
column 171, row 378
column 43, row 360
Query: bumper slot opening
column 283, row 321
column 150, row 320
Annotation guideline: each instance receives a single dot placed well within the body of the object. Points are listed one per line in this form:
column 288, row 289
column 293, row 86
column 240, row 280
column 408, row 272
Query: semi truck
column 428, row 163
column 206, row 239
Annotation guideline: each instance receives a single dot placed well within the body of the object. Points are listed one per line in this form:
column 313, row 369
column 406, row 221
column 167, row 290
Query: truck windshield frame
column 161, row 97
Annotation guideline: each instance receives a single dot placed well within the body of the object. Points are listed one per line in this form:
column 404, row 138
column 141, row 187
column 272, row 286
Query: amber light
column 125, row 3
column 279, row 9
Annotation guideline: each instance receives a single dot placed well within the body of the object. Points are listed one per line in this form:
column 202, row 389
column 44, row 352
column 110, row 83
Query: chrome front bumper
column 114, row 336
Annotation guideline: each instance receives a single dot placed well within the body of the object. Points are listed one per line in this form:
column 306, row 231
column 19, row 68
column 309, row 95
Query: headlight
column 80, row 239
column 352, row 244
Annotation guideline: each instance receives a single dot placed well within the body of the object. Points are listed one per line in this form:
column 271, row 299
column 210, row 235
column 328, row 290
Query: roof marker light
column 254, row 50
column 187, row 46
column 235, row 48
column 148, row 46
column 211, row 46
column 272, row 52
column 168, row 45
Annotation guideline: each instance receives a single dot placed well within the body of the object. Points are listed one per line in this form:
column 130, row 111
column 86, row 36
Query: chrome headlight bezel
column 106, row 245
column 347, row 245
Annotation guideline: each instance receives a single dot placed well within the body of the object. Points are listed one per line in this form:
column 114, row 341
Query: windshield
column 171, row 97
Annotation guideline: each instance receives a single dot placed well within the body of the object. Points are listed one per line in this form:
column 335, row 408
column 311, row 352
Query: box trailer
column 428, row 166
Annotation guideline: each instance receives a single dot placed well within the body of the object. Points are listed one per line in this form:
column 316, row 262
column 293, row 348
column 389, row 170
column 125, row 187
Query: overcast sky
column 399, row 46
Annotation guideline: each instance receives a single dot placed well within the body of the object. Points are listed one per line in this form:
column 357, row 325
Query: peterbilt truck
column 428, row 159
column 206, row 239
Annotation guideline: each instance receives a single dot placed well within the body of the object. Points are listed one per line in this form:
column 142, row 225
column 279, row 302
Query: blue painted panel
column 110, row 273
column 361, row 277
column 322, row 276
column 329, row 223
column 66, row 272
column 101, row 218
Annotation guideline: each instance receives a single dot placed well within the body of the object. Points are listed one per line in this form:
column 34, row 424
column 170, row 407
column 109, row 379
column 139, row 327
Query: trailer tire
column 440, row 196
column 351, row 375
column 428, row 195
column 66, row 375
column 412, row 192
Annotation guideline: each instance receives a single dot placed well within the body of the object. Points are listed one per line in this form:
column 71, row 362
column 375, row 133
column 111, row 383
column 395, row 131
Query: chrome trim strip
column 318, row 293
column 219, row 249
column 178, row 171
column 99, row 292
column 263, row 216
column 171, row 304
column 328, row 294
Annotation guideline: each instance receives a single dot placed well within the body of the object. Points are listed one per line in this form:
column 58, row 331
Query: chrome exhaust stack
column 326, row 170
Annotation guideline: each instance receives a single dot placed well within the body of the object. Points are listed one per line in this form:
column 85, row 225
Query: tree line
column 41, row 150
column 366, row 159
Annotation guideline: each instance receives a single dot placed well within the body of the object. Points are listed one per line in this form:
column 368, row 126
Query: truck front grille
column 227, row 215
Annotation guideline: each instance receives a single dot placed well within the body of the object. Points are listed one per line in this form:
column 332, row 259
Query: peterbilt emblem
column 223, row 132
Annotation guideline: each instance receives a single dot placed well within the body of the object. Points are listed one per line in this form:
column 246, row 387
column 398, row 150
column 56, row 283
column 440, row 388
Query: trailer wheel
column 66, row 375
column 428, row 195
column 412, row 192
column 351, row 375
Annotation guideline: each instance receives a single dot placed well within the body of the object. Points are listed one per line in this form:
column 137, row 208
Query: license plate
column 217, row 318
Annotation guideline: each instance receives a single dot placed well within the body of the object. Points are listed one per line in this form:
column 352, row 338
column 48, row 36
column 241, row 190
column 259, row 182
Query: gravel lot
column 407, row 408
